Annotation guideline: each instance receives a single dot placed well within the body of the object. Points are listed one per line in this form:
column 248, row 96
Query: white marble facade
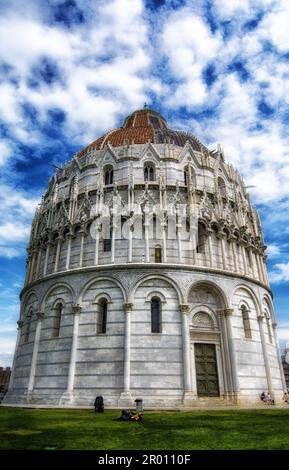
column 211, row 284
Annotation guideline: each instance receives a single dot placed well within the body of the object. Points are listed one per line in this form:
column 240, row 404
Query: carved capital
column 225, row 312
column 260, row 318
column 184, row 308
column 20, row 323
column 127, row 306
column 228, row 312
column 274, row 325
column 40, row 315
column 76, row 309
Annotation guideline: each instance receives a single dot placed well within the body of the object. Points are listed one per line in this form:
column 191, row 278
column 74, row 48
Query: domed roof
column 142, row 126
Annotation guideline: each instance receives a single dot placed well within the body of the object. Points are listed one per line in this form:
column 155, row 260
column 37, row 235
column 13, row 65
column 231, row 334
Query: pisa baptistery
column 146, row 278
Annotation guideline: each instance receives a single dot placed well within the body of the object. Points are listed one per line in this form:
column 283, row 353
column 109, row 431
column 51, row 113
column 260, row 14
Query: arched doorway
column 206, row 350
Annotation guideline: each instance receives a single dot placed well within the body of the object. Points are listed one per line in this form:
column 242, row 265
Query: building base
column 125, row 400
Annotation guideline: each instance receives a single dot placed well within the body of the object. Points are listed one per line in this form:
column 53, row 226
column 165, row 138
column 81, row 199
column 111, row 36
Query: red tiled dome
column 142, row 126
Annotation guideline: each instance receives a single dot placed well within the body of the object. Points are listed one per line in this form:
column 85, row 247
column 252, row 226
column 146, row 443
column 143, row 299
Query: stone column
column 48, row 245
column 82, row 233
column 236, row 388
column 126, row 398
column 194, row 229
column 96, row 246
column 256, row 267
column 227, row 369
column 260, row 269
column 113, row 243
column 147, row 243
column 130, row 232
column 38, row 262
column 223, row 249
column 20, row 324
column 179, row 227
column 188, row 394
column 164, row 242
column 28, row 262
column 245, row 264
column 58, row 246
column 193, row 372
column 235, row 256
column 209, row 231
column 265, row 355
column 40, row 316
column 30, row 279
column 68, row 395
column 263, row 262
column 274, row 325
column 68, row 253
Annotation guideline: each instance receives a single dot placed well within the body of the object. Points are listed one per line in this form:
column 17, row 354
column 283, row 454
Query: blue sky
column 70, row 70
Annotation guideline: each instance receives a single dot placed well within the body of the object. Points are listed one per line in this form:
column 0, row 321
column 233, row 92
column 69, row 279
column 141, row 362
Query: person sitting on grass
column 286, row 397
column 269, row 400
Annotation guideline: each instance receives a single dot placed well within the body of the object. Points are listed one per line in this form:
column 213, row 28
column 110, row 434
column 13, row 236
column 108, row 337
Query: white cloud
column 86, row 57
column 187, row 43
column 5, row 151
column 274, row 26
column 273, row 251
column 10, row 252
column 19, row 209
column 280, row 273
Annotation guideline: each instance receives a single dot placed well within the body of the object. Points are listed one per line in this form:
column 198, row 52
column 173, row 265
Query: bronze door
column 206, row 370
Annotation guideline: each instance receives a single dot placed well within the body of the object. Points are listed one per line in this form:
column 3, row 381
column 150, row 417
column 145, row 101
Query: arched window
column 155, row 227
column 246, row 322
column 201, row 238
column 189, row 175
column 101, row 323
column 57, row 319
column 156, row 316
column 27, row 326
column 72, row 187
column 158, row 254
column 149, row 172
column 108, row 175
column 107, row 241
column 186, row 176
column 221, row 186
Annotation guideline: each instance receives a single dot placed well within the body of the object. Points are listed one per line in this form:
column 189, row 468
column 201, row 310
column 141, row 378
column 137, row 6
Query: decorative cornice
column 162, row 267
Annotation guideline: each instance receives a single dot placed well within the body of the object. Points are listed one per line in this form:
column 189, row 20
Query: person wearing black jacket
column 98, row 405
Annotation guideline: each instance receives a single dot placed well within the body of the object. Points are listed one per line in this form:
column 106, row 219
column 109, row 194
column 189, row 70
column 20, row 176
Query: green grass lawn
column 83, row 429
